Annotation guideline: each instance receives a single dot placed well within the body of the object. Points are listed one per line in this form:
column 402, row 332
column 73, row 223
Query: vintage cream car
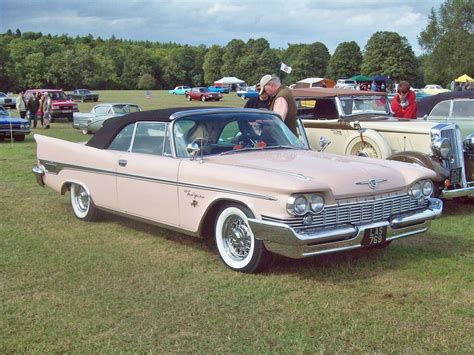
column 352, row 122
column 240, row 176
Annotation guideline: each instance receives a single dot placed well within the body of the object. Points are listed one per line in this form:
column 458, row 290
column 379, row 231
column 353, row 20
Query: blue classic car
column 247, row 93
column 13, row 128
column 179, row 90
column 221, row 89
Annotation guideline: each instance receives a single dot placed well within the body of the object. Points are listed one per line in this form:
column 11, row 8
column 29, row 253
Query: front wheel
column 203, row 98
column 189, row 98
column 82, row 204
column 236, row 244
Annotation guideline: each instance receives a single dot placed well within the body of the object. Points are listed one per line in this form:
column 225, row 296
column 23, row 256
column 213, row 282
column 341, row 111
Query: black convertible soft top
column 426, row 104
column 114, row 125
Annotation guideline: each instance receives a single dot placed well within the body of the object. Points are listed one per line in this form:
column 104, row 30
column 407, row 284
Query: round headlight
column 316, row 203
column 468, row 143
column 441, row 147
column 300, row 205
column 427, row 188
column 415, row 190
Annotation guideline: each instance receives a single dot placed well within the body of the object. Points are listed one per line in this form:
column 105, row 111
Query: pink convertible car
column 239, row 176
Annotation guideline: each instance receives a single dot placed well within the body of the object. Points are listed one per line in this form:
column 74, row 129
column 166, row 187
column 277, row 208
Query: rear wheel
column 236, row 244
column 203, row 98
column 82, row 204
column 189, row 98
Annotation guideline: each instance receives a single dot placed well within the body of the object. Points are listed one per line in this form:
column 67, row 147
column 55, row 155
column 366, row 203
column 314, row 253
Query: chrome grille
column 356, row 213
column 453, row 134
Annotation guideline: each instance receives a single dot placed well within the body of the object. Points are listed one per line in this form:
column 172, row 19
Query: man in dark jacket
column 32, row 107
column 282, row 100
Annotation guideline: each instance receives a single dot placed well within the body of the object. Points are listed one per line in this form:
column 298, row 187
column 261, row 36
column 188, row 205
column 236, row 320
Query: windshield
column 58, row 95
column 124, row 109
column 232, row 132
column 364, row 105
column 84, row 91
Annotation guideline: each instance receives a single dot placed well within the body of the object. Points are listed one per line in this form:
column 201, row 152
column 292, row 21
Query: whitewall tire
column 236, row 244
column 82, row 204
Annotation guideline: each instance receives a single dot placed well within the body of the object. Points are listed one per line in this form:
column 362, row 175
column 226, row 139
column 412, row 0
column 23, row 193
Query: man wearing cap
column 282, row 101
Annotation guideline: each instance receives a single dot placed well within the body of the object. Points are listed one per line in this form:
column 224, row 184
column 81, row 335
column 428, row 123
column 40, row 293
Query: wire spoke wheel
column 364, row 149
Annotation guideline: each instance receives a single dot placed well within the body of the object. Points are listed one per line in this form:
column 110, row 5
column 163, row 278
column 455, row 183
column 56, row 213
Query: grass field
column 120, row 285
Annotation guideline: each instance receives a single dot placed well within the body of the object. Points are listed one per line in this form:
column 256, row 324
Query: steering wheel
column 201, row 142
column 248, row 140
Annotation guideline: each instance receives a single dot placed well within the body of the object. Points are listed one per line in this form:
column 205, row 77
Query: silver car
column 91, row 122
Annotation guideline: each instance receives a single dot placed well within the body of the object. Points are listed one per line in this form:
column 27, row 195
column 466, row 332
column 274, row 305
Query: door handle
column 122, row 162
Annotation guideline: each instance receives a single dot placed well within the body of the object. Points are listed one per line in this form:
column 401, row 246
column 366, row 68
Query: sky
column 212, row 22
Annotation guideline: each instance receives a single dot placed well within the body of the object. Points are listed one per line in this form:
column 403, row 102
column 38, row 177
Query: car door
column 147, row 175
column 321, row 121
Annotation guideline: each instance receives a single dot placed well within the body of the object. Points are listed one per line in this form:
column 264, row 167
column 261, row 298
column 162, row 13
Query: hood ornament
column 372, row 183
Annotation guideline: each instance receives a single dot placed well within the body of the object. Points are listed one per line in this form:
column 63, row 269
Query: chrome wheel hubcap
column 82, row 199
column 237, row 238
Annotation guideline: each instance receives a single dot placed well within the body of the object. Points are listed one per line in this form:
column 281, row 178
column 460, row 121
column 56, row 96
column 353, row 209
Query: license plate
column 455, row 176
column 67, row 111
column 374, row 236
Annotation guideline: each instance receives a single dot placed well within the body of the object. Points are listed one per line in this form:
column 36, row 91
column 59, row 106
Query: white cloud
column 218, row 21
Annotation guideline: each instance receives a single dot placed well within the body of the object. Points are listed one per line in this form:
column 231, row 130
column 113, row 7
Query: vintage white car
column 92, row 121
column 352, row 122
column 241, row 177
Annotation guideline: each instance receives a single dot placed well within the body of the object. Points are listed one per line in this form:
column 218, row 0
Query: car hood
column 302, row 170
column 12, row 120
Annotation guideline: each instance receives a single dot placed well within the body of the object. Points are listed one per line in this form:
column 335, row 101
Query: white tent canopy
column 229, row 80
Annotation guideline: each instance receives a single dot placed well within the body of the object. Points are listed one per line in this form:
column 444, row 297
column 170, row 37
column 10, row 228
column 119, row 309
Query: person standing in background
column 261, row 101
column 40, row 98
column 404, row 102
column 32, row 107
column 47, row 109
column 282, row 100
column 21, row 105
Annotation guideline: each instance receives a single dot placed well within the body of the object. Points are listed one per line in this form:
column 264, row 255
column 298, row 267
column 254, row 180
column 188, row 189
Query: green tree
column 146, row 81
column 346, row 61
column 311, row 61
column 390, row 54
column 212, row 64
column 233, row 52
column 448, row 42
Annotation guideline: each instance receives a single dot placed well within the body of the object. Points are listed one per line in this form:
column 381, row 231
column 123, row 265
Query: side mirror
column 425, row 117
column 357, row 126
column 193, row 149
column 323, row 142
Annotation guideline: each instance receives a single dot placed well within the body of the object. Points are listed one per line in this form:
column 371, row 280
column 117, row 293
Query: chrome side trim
column 58, row 167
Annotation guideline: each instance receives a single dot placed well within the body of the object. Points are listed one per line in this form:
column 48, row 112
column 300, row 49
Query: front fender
column 423, row 160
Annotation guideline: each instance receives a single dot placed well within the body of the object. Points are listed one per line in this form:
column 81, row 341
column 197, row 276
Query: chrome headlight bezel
column 301, row 204
column 441, row 147
column 421, row 189
column 415, row 189
column 427, row 188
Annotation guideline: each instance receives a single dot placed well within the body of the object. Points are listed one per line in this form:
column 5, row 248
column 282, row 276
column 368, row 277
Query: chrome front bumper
column 284, row 240
column 39, row 173
column 449, row 194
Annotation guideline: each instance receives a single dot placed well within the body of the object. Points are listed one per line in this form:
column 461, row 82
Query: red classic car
column 63, row 106
column 203, row 94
